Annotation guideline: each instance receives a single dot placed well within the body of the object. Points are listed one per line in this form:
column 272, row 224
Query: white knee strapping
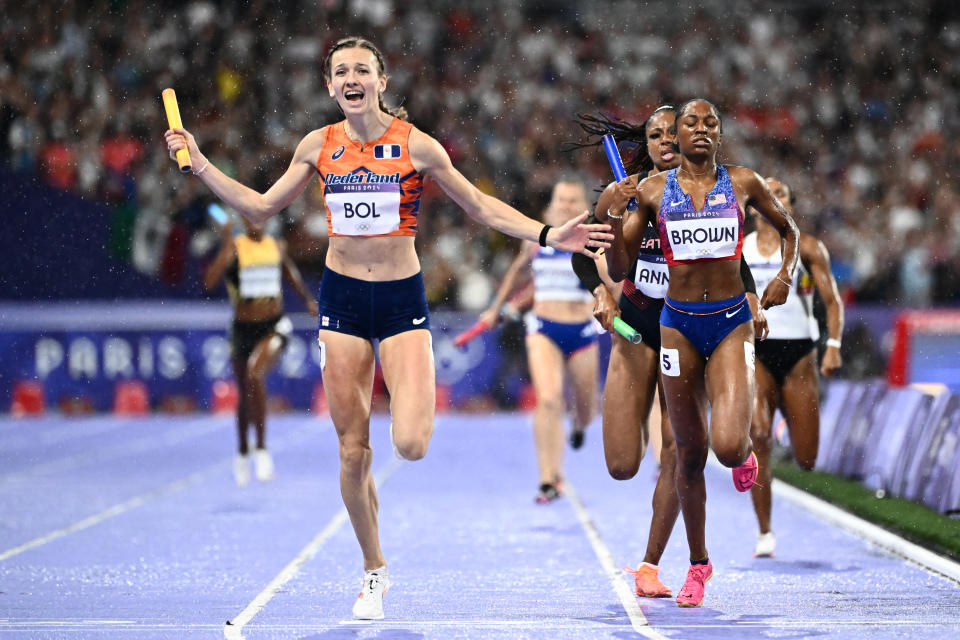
column 323, row 353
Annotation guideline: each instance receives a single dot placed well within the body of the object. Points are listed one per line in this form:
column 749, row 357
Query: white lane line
column 546, row 623
column 638, row 621
column 233, row 629
column 869, row 531
column 110, row 512
column 137, row 501
column 554, row 623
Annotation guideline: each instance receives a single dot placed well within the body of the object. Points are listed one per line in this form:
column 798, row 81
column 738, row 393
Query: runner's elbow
column 616, row 272
column 258, row 210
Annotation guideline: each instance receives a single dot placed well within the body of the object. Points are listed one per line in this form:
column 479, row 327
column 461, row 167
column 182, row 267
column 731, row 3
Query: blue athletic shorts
column 372, row 310
column 706, row 324
column 570, row 338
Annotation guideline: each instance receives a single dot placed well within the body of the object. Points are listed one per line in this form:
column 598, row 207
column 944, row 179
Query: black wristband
column 543, row 235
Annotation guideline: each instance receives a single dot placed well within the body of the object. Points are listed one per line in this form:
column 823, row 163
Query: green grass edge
column 911, row 520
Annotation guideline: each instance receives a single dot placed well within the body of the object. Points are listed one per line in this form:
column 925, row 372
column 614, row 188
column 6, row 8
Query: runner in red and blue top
column 632, row 375
column 707, row 351
column 372, row 264
column 688, row 235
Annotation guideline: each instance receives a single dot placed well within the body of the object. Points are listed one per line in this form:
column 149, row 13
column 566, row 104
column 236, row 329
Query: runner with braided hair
column 706, row 329
column 632, row 377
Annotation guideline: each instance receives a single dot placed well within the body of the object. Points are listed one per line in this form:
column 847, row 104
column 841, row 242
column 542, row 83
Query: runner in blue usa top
column 707, row 351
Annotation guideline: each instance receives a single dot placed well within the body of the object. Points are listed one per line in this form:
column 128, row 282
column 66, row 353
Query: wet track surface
column 118, row 528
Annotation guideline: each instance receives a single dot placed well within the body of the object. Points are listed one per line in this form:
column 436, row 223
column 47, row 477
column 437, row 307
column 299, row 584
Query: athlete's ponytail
column 355, row 41
column 597, row 125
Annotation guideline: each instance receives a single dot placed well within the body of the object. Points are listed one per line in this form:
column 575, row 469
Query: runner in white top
column 786, row 372
column 561, row 341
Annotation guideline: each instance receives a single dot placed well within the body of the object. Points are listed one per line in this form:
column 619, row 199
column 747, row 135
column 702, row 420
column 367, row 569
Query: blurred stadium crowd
column 854, row 104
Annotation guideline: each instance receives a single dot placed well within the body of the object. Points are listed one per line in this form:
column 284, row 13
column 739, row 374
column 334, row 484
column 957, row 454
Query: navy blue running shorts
column 372, row 310
column 569, row 338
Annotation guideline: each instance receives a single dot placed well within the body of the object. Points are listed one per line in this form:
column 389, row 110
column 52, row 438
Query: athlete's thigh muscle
column 800, row 403
column 768, row 398
column 682, row 373
column 347, row 364
column 627, row 399
column 408, row 371
column 545, row 361
column 582, row 371
column 730, row 388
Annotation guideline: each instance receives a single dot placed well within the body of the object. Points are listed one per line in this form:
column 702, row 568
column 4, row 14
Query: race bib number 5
column 364, row 209
column 670, row 362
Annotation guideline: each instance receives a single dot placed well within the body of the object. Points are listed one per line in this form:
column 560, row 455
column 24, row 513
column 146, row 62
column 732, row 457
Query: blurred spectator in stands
column 859, row 115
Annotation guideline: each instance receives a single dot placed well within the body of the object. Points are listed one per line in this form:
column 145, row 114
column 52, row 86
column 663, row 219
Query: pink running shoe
column 547, row 494
column 646, row 582
column 745, row 476
column 691, row 594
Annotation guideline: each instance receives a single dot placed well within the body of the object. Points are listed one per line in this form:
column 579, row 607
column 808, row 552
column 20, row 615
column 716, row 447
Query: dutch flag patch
column 386, row 151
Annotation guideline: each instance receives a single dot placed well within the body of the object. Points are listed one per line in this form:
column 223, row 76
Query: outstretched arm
column 522, row 261
column 429, row 158
column 817, row 261
column 214, row 272
column 253, row 205
column 760, row 197
column 292, row 274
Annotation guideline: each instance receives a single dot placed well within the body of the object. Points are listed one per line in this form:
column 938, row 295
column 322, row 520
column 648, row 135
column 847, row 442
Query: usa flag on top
column 386, row 151
column 717, row 198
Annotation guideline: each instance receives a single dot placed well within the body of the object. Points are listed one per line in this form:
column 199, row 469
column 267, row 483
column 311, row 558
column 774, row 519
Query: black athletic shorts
column 645, row 320
column 244, row 336
column 781, row 356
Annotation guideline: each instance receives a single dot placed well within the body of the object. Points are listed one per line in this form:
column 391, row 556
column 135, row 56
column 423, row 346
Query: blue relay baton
column 616, row 163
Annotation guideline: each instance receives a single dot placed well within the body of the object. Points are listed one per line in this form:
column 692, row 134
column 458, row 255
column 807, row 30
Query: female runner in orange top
column 372, row 165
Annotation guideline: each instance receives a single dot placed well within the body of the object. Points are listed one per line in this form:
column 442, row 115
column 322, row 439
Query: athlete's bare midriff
column 258, row 309
column 565, row 311
column 375, row 259
column 720, row 279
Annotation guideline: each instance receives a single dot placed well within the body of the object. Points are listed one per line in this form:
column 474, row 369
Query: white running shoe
column 263, row 465
column 766, row 543
column 369, row 605
column 241, row 470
